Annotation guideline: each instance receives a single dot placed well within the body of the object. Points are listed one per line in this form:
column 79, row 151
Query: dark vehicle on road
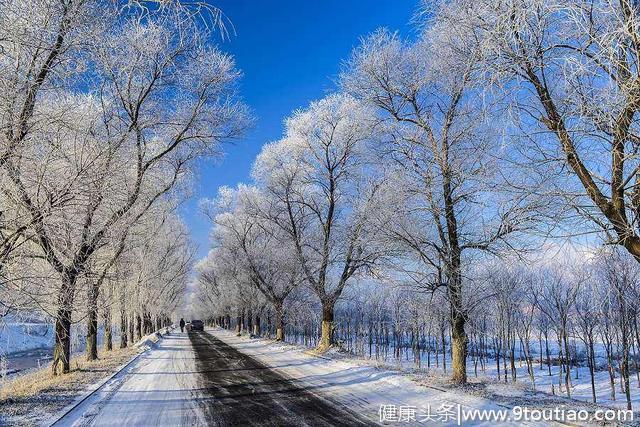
column 197, row 325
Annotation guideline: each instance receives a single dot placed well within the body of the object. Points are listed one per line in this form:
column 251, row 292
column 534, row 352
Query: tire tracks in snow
column 243, row 391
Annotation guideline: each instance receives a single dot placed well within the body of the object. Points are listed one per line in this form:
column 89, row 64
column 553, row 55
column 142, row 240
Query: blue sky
column 290, row 54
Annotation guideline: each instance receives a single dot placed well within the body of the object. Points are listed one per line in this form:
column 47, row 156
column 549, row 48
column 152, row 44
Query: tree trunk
column 62, row 346
column 326, row 336
column 278, row 306
column 132, row 322
column 546, row 347
column 625, row 365
column 123, row 328
column 148, row 324
column 92, row 335
column 567, row 377
column 108, row 336
column 138, row 327
column 512, row 361
column 591, row 359
column 108, row 320
column 530, row 362
column 92, row 322
column 256, row 326
column 454, row 272
column 458, row 320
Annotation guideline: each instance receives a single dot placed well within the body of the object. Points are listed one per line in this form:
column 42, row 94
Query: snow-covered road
column 159, row 388
column 196, row 379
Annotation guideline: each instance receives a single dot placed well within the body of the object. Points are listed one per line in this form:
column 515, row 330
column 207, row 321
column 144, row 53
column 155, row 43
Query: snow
column 580, row 390
column 161, row 387
column 362, row 388
column 20, row 336
column 581, row 387
column 150, row 391
column 26, row 345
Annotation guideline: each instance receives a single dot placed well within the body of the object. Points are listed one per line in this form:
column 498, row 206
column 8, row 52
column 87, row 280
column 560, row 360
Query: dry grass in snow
column 32, row 398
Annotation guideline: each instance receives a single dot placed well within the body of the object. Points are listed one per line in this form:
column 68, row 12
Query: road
column 196, row 379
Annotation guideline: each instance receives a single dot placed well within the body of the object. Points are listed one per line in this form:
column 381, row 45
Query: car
column 197, row 325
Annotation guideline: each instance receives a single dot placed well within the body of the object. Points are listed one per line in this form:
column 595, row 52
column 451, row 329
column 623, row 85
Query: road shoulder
column 37, row 398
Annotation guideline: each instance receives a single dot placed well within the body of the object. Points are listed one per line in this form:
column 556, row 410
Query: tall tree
column 325, row 189
column 118, row 145
column 572, row 73
column 444, row 160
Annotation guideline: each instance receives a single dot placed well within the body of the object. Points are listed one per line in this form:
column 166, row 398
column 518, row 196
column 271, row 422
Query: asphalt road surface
column 242, row 391
column 196, row 379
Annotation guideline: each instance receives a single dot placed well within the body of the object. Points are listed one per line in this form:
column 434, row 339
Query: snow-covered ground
column 21, row 336
column 365, row 388
column 580, row 378
column 18, row 336
column 25, row 345
column 581, row 386
column 185, row 382
column 155, row 390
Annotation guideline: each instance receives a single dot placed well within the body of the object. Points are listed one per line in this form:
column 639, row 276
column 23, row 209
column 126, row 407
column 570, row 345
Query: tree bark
column 567, row 377
column 454, row 274
column 108, row 321
column 62, row 346
column 108, row 336
column 147, row 323
column 92, row 335
column 123, row 328
column 458, row 320
column 92, row 322
column 278, row 306
column 132, row 322
column 591, row 359
column 138, row 327
column 326, row 336
column 256, row 326
column 625, row 364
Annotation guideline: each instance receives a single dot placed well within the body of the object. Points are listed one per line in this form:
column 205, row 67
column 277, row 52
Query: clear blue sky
column 290, row 54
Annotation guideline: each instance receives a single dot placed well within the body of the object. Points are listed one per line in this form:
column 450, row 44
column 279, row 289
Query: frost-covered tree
column 225, row 288
column 589, row 317
column 556, row 297
column 115, row 130
column 572, row 77
column 324, row 189
column 245, row 227
column 621, row 276
column 446, row 171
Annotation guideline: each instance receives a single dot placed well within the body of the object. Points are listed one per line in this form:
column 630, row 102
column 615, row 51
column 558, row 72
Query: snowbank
column 150, row 341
